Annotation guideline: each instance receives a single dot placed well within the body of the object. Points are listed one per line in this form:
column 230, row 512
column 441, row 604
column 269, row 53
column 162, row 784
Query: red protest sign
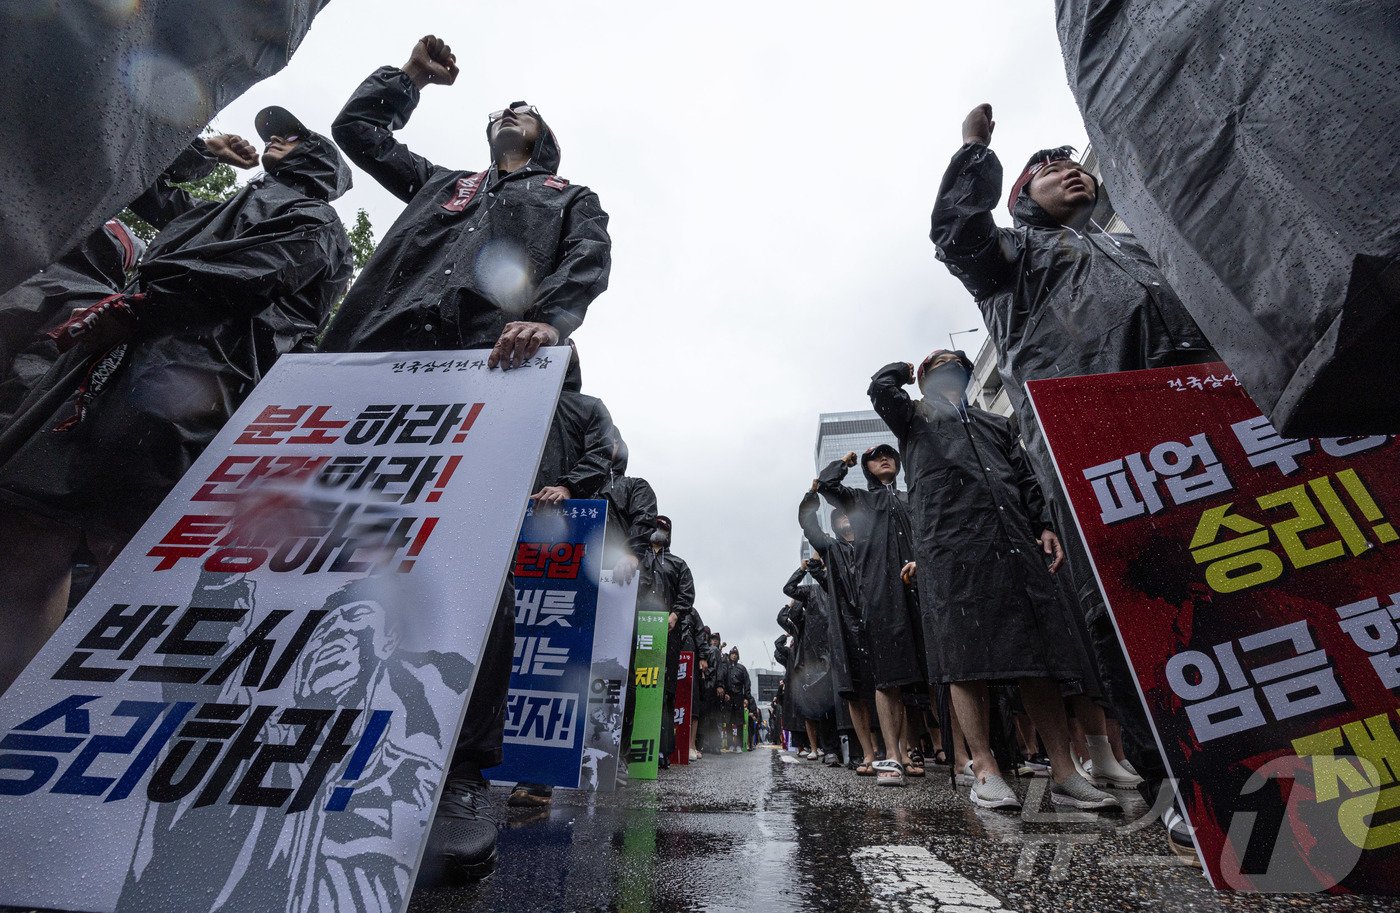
column 1255, row 585
column 685, row 693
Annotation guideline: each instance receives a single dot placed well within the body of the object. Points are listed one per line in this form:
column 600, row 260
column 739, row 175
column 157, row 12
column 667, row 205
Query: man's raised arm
column 968, row 240
column 365, row 127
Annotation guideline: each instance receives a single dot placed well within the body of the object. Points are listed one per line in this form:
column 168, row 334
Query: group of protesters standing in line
column 119, row 365
column 964, row 597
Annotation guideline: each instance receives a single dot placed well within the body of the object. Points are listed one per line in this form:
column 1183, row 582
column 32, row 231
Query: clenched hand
column 232, row 150
column 432, row 61
column 978, row 125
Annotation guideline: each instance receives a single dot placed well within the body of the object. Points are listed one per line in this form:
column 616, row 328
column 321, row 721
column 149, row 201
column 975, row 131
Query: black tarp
column 1252, row 147
column 100, row 97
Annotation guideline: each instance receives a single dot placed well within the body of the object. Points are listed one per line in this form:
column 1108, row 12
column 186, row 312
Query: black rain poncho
column 472, row 251
column 230, row 287
column 811, row 615
column 578, row 450
column 737, row 684
column 631, row 512
column 791, row 720
column 1252, row 147
column 666, row 585
column 98, row 267
column 100, row 99
column 851, row 674
column 990, row 610
column 884, row 544
column 1057, row 303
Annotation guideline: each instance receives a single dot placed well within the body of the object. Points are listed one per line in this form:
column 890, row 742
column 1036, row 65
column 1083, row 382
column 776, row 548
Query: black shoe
column 465, row 829
column 1179, row 838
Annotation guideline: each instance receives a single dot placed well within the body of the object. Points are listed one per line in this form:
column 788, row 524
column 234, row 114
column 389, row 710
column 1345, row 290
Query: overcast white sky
column 769, row 168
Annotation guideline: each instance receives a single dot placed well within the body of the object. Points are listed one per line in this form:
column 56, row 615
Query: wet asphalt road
column 750, row 832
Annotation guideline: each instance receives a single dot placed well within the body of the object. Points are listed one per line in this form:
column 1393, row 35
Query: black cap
column 880, row 450
column 278, row 121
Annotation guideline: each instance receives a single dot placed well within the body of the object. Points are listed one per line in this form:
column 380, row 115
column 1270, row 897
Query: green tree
column 217, row 186
column 361, row 240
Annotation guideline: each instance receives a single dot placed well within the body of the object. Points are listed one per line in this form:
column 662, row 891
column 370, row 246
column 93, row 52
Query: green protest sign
column 649, row 675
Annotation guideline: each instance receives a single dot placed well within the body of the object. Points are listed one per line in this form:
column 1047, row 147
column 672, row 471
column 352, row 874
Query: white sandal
column 889, row 773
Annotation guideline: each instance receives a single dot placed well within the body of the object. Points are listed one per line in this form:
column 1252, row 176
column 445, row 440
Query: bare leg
column 34, row 585
column 860, row 718
column 813, row 743
column 1115, row 738
column 1025, row 730
column 1046, row 707
column 1078, row 746
column 890, row 709
column 1089, row 716
column 961, row 754
column 935, row 731
column 972, row 708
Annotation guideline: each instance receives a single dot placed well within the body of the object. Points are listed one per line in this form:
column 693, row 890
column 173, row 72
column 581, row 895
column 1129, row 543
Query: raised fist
column 231, row 150
column 432, row 61
column 978, row 125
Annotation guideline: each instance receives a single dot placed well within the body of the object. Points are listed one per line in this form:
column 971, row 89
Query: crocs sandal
column 889, row 773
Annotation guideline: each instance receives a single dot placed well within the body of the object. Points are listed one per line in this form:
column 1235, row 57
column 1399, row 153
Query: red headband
column 1031, row 170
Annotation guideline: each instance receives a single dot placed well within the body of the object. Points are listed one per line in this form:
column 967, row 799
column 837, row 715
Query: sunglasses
column 518, row 109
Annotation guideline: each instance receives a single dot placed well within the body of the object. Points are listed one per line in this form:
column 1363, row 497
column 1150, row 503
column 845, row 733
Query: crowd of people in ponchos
column 924, row 607
column 120, row 363
column 953, row 621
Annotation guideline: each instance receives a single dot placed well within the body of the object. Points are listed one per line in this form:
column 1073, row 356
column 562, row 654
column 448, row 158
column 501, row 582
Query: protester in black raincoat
column 707, row 706
column 631, row 513
column 737, row 689
column 815, row 695
column 631, row 521
column 989, row 602
column 513, row 254
column 1058, row 300
column 884, row 545
column 667, row 586
column 1061, row 301
column 100, row 266
column 777, row 716
column 224, row 289
column 577, row 457
column 851, row 673
column 509, row 258
column 785, row 655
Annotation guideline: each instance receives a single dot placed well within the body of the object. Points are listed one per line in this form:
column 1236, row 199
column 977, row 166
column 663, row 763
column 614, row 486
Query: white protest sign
column 253, row 709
